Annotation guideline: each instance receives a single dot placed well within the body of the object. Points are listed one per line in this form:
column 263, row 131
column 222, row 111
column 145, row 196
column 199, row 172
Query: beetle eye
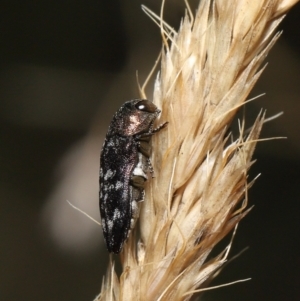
column 146, row 106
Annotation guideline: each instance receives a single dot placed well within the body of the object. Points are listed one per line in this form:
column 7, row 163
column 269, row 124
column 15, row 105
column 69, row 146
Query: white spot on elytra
column 109, row 174
column 110, row 143
column 103, row 225
column 110, row 224
column 117, row 214
column 119, row 185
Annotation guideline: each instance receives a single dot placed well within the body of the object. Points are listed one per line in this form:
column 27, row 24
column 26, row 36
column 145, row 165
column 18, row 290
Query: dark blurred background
column 65, row 66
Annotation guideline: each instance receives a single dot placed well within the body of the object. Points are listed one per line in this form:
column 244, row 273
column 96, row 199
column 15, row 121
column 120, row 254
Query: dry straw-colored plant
column 199, row 192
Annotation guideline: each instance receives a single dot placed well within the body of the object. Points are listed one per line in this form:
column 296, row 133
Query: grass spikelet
column 199, row 192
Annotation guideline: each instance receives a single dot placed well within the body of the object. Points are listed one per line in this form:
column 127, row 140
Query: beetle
column 124, row 164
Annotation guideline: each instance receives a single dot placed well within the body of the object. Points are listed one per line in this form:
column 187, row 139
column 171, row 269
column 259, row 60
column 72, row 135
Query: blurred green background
column 65, row 67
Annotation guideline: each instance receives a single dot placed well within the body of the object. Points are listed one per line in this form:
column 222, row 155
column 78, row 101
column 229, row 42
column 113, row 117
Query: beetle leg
column 160, row 127
column 137, row 182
